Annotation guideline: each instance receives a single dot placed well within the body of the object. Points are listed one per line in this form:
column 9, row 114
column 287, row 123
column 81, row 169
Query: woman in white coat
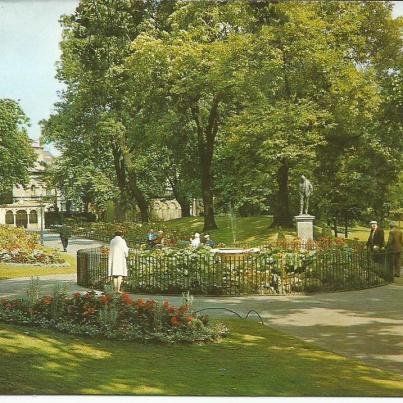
column 117, row 266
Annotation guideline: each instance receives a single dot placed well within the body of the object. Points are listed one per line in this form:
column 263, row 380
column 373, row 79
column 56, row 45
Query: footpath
column 366, row 325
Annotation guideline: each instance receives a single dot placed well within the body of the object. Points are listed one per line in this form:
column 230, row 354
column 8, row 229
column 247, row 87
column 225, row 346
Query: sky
column 29, row 48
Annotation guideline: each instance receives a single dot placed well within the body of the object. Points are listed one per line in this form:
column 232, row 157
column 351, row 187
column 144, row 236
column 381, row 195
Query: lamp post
column 42, row 217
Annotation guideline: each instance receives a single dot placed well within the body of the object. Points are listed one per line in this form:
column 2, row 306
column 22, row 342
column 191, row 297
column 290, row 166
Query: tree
column 96, row 40
column 16, row 153
column 191, row 69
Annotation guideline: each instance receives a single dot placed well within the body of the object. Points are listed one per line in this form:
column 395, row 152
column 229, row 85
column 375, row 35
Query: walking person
column 117, row 265
column 394, row 248
column 65, row 235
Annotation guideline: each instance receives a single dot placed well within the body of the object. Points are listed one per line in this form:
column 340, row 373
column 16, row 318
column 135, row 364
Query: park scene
column 201, row 198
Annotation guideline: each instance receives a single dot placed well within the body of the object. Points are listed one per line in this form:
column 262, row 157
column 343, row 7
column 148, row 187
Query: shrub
column 19, row 246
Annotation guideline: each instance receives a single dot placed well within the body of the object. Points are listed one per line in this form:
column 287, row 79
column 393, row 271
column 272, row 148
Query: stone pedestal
column 305, row 226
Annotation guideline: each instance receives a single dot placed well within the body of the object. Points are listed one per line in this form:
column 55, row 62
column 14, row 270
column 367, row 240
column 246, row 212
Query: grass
column 254, row 361
column 13, row 271
column 247, row 229
column 251, row 229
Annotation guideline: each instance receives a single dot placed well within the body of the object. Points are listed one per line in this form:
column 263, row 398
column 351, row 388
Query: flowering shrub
column 19, row 246
column 112, row 316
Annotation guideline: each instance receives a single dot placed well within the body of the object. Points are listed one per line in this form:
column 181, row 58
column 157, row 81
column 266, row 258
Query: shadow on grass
column 254, row 361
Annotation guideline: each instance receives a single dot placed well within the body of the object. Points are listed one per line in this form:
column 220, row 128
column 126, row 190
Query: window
column 33, row 217
column 33, row 190
column 9, row 217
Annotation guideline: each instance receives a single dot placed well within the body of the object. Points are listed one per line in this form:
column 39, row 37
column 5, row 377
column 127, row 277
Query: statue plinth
column 305, row 226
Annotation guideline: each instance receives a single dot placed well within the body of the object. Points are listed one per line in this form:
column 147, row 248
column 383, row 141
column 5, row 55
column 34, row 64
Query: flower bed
column 19, row 246
column 112, row 316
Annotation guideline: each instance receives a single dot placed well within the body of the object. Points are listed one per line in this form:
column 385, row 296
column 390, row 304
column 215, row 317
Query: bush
column 19, row 246
column 112, row 316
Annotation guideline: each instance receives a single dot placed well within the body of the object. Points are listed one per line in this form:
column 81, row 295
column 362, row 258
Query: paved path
column 52, row 240
column 366, row 325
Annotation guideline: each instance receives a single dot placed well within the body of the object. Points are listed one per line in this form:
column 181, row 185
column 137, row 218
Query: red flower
column 171, row 309
column 165, row 304
column 47, row 300
column 174, row 321
column 77, row 295
column 126, row 299
column 103, row 299
column 189, row 318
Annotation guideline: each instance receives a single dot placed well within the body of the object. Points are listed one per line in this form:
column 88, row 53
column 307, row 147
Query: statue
column 305, row 190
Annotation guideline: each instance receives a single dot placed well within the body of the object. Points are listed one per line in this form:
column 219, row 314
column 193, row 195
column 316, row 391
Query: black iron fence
column 253, row 274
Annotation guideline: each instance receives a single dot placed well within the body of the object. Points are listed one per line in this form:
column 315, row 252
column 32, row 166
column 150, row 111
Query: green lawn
column 12, row 271
column 247, row 229
column 255, row 360
column 250, row 229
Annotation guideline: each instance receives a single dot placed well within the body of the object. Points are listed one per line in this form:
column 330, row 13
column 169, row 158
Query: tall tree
column 16, row 153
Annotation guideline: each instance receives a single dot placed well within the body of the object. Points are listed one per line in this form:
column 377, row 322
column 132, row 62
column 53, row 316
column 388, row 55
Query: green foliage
column 16, row 153
column 230, row 102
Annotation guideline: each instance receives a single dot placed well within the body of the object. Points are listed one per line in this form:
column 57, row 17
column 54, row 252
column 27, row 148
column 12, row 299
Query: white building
column 30, row 203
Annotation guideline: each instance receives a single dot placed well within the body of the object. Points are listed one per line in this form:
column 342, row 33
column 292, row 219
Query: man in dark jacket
column 65, row 234
column 394, row 248
column 376, row 242
column 376, row 238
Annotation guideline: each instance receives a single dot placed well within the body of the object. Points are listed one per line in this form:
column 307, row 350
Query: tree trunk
column 282, row 216
column 139, row 196
column 335, row 227
column 205, row 143
column 180, row 197
column 121, row 205
column 346, row 228
column 185, row 208
column 208, row 202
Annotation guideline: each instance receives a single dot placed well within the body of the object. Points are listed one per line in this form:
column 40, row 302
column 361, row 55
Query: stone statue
column 305, row 190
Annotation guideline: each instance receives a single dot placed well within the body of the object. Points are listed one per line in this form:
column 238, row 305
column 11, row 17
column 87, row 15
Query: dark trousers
column 394, row 259
column 65, row 242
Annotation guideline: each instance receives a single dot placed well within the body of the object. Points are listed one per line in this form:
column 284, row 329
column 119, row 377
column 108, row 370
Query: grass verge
column 254, row 361
column 14, row 271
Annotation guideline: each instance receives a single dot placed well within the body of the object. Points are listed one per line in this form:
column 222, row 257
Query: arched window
column 22, row 218
column 33, row 190
column 9, row 217
column 33, row 217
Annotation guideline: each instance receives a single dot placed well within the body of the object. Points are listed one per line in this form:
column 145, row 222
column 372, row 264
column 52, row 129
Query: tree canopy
column 232, row 101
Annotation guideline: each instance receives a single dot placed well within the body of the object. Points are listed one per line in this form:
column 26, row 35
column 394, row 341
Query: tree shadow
column 254, row 361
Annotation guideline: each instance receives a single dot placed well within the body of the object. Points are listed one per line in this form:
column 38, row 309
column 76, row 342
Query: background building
column 26, row 206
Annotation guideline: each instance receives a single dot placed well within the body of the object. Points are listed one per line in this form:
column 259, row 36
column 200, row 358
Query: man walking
column 394, row 248
column 65, row 234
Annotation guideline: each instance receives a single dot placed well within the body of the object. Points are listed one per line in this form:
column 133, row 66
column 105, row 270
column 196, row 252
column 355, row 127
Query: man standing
column 394, row 247
column 65, row 234
column 376, row 238
column 117, row 266
column 376, row 242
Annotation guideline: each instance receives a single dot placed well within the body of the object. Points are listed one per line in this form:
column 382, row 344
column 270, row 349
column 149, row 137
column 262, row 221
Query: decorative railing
column 262, row 273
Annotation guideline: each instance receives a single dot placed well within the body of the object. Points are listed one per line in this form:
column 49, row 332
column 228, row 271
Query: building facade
column 28, row 204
